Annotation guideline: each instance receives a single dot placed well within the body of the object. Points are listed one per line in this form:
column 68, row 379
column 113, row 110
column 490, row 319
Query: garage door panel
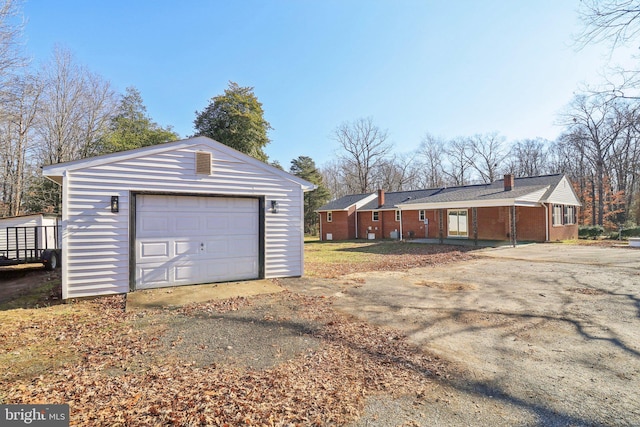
column 152, row 225
column 183, row 273
column 217, row 223
column 187, row 223
column 154, row 249
column 187, row 240
column 153, row 276
column 186, row 247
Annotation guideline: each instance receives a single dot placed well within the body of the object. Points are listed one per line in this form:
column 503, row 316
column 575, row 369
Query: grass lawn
column 334, row 259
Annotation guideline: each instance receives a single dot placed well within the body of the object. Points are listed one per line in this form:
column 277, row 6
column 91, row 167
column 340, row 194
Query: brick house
column 539, row 209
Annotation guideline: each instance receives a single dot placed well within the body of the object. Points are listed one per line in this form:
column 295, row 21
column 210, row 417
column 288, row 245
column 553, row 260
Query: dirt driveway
column 543, row 334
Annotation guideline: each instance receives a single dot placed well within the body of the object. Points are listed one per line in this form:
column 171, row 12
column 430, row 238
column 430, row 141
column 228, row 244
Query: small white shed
column 185, row 212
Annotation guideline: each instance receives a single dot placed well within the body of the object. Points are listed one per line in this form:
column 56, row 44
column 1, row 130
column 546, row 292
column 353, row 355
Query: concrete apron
column 182, row 295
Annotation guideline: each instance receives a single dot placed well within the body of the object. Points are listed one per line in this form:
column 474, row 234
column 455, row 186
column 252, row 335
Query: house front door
column 458, row 223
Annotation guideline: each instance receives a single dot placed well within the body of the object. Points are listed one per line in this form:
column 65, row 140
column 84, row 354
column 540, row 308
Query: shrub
column 590, row 231
column 631, row 232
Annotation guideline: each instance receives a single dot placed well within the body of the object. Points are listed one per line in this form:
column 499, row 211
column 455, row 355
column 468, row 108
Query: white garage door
column 183, row 240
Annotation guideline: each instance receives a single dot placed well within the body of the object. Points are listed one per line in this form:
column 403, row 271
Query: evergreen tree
column 132, row 128
column 305, row 168
column 235, row 119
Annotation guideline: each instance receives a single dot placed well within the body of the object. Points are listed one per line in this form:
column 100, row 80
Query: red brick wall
column 342, row 226
column 411, row 223
column 562, row 232
column 530, row 224
column 493, row 223
column 365, row 221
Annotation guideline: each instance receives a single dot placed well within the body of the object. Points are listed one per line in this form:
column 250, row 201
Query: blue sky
column 449, row 68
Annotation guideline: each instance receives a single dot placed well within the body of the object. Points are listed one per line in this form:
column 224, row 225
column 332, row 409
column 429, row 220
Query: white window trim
column 329, row 216
column 422, row 215
column 569, row 215
column 398, row 216
column 466, row 216
column 373, row 215
column 557, row 220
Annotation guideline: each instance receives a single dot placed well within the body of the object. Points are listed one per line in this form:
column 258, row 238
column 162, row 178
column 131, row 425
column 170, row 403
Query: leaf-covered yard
column 115, row 367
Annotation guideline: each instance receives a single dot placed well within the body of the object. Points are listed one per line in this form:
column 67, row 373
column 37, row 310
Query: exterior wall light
column 115, row 204
column 274, row 206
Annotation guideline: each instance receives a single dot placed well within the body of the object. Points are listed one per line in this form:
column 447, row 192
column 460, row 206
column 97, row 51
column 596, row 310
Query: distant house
column 540, row 209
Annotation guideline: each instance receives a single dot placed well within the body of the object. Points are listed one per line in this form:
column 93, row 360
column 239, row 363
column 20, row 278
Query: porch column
column 441, row 225
column 514, row 240
column 474, row 212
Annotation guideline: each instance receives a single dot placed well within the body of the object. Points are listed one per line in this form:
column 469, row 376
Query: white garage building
column 186, row 212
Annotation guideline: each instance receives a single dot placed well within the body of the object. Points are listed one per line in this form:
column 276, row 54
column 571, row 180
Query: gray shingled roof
column 343, row 202
column 495, row 190
column 393, row 199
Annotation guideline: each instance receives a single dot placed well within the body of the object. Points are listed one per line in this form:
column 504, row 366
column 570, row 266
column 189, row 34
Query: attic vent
column 203, row 163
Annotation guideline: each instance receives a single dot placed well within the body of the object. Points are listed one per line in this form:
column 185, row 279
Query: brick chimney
column 380, row 198
column 509, row 182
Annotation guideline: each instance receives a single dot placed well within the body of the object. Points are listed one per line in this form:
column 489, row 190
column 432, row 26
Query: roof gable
column 57, row 171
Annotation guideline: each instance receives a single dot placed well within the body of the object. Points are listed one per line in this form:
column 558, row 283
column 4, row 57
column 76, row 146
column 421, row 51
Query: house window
column 398, row 216
column 569, row 215
column 375, row 215
column 329, row 216
column 421, row 215
column 557, row 215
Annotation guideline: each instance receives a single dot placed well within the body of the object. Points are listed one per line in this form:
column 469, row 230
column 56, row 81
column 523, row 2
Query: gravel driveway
column 542, row 335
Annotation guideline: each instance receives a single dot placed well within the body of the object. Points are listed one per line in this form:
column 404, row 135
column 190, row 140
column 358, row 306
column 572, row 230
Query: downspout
column 546, row 222
column 355, row 212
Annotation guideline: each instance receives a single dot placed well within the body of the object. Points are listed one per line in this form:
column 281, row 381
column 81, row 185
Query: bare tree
column 332, row 177
column 10, row 44
column 529, row 157
column 485, row 153
column 364, row 147
column 76, row 108
column 593, row 127
column 614, row 21
column 456, row 168
column 431, row 153
column 18, row 114
column 396, row 173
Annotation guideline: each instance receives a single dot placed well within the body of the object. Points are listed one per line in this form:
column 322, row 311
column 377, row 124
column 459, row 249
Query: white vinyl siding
column 96, row 241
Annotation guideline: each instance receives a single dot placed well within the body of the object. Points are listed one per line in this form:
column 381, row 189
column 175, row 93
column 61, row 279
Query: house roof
column 526, row 191
column 529, row 191
column 395, row 198
column 57, row 171
column 344, row 203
